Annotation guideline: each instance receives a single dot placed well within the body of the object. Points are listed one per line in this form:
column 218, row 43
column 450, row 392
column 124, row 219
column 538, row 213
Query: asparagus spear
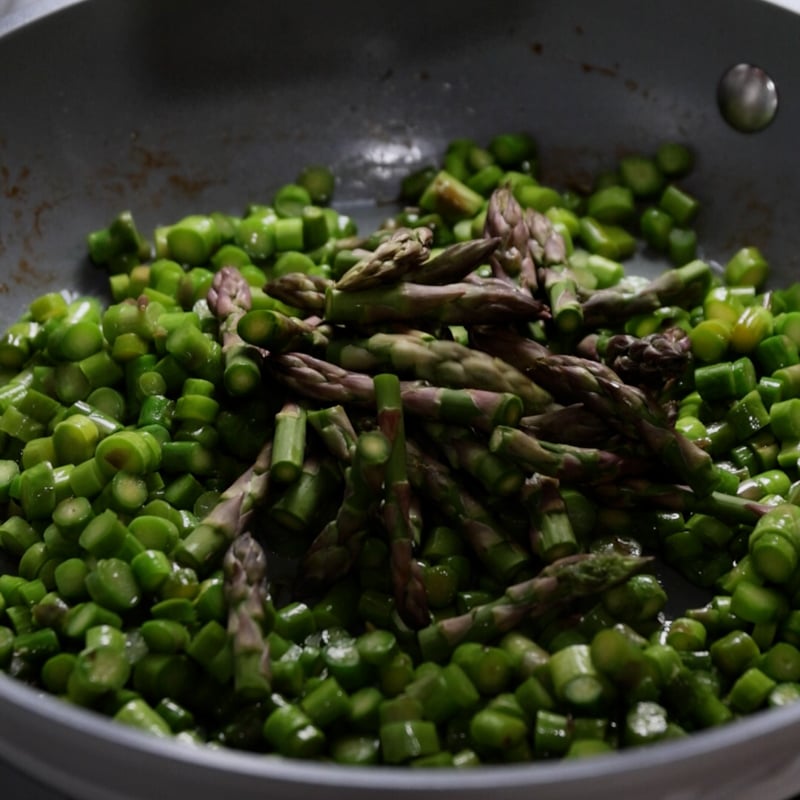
column 403, row 252
column 551, row 533
column 513, row 258
column 562, row 291
column 504, row 558
column 465, row 451
column 639, row 493
column 467, row 302
column 201, row 548
column 440, row 362
column 572, row 378
column 278, row 332
column 551, row 246
column 682, row 286
column 529, row 244
column 455, row 262
column 246, row 592
column 334, row 550
column 321, row 380
column 563, row 461
column 288, row 443
column 400, row 515
column 572, row 424
column 229, row 300
column 650, row 360
column 335, row 429
column 564, row 580
column 300, row 290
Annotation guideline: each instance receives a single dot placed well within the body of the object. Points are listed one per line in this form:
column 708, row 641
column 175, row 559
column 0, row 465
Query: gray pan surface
column 172, row 107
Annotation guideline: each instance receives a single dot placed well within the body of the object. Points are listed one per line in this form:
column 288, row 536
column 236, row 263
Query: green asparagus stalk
column 318, row 379
column 247, row 594
column 455, row 262
column 571, row 378
column 229, row 300
column 300, row 290
column 562, row 581
column 400, row 515
column 402, row 253
column 562, row 461
column 643, row 493
column 307, row 499
column 440, row 362
column 551, row 533
column 465, row 451
column 485, row 300
column 278, row 332
column 684, row 286
column 335, row 549
column 504, row 558
column 562, row 291
column 205, row 544
column 573, row 424
column 336, row 431
column 288, row 443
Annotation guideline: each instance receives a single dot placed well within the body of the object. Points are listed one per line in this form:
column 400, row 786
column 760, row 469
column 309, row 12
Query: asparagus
column 334, row 550
column 643, row 493
column 513, row 257
column 601, row 390
column 564, row 580
column 465, row 451
column 440, row 362
column 278, row 332
column 572, row 424
column 551, row 533
column 336, row 431
column 456, row 261
column 650, row 360
column 550, row 255
column 467, row 302
column 529, row 245
column 684, row 286
column 400, row 516
column 504, row 558
column 247, row 594
column 289, row 443
column 403, row 252
column 563, row 461
column 229, row 299
column 231, row 515
column 551, row 249
column 562, row 291
column 313, row 377
column 300, row 290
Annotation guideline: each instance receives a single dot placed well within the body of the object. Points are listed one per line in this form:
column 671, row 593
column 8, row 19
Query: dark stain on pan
column 14, row 187
column 142, row 163
column 28, row 275
column 537, row 47
column 609, row 72
column 189, row 186
column 37, row 216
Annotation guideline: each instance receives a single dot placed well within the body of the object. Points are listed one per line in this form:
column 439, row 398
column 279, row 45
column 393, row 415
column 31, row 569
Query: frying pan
column 169, row 107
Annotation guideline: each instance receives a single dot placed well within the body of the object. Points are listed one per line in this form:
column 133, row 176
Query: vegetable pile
column 395, row 498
